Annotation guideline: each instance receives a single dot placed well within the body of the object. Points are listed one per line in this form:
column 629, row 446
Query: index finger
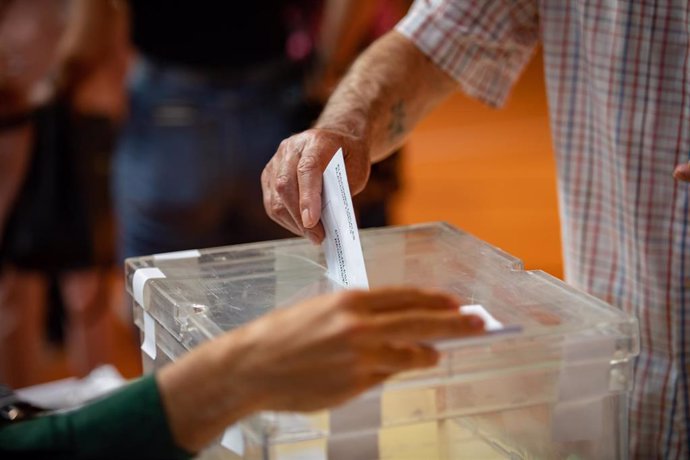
column 310, row 182
column 402, row 299
column 417, row 326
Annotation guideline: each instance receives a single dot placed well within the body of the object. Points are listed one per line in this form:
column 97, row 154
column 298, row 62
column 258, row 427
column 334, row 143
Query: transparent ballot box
column 553, row 385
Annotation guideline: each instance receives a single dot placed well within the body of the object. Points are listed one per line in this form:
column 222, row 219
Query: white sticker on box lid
column 188, row 254
column 491, row 324
column 148, row 346
column 342, row 248
column 139, row 280
column 232, row 439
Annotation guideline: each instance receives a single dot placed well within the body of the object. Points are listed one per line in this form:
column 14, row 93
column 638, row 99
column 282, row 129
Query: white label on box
column 139, row 280
column 232, row 440
column 490, row 323
column 189, row 254
column 491, row 326
column 586, row 365
column 343, row 250
column 149, row 344
column 583, row 383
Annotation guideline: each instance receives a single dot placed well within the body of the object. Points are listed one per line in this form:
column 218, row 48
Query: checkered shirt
column 618, row 83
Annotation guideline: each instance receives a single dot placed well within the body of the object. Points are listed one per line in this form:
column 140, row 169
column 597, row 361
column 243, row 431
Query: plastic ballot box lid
column 551, row 346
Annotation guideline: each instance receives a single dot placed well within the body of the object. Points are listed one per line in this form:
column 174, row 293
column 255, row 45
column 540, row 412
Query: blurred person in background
column 209, row 102
column 59, row 101
column 618, row 81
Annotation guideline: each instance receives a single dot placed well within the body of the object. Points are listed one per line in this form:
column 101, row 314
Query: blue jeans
column 188, row 165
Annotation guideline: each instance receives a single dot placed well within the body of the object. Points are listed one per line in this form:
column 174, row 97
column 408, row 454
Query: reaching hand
column 311, row 356
column 331, row 348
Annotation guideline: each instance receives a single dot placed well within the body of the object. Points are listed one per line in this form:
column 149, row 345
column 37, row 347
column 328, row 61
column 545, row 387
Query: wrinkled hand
column 292, row 180
column 682, row 172
column 329, row 349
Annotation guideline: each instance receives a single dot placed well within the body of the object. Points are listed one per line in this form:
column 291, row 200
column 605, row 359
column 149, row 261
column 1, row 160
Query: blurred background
column 125, row 134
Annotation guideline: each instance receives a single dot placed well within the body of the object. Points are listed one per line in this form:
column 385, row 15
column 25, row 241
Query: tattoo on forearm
column 396, row 127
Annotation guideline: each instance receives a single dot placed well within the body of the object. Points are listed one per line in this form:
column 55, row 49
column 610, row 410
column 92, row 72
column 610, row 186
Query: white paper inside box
column 554, row 387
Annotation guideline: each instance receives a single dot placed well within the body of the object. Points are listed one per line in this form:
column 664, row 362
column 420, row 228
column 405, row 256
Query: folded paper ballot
column 344, row 259
column 343, row 250
column 345, row 266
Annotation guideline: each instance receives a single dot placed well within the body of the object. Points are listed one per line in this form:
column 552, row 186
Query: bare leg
column 22, row 313
column 87, row 304
column 14, row 159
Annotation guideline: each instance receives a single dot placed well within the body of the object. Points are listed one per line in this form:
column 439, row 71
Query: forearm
column 201, row 394
column 386, row 92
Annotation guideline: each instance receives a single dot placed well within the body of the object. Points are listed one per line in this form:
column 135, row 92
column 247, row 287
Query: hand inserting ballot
column 292, row 180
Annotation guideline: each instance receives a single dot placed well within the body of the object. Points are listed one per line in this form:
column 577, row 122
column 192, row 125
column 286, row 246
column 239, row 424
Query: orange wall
column 490, row 172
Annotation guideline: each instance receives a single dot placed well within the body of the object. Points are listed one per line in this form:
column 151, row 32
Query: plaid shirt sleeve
column 483, row 44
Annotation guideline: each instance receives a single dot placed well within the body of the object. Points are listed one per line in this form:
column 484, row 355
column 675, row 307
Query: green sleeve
column 130, row 423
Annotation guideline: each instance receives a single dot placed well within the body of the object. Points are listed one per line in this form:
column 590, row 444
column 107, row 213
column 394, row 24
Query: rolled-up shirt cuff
column 484, row 48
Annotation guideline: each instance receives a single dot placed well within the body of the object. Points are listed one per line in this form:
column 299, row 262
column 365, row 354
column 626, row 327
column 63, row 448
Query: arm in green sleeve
column 130, row 423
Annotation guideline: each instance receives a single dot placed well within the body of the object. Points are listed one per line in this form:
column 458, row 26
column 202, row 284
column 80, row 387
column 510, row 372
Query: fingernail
column 306, row 218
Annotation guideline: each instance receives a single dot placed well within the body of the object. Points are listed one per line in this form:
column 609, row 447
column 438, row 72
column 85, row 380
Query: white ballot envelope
column 344, row 258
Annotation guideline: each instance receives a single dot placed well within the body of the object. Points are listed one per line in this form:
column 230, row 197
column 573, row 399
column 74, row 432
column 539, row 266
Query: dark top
column 130, row 423
column 213, row 34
